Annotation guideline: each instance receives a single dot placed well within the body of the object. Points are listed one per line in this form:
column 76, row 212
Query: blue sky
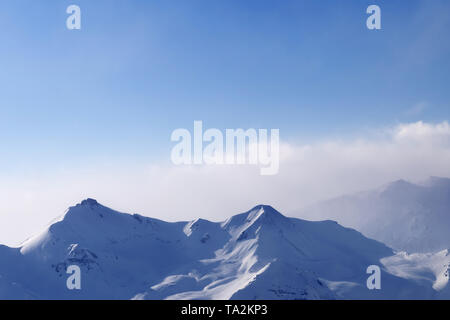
column 140, row 69
column 89, row 113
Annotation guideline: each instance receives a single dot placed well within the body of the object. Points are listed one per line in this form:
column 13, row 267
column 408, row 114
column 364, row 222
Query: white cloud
column 422, row 133
column 308, row 173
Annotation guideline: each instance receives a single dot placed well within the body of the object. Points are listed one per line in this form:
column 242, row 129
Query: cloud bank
column 308, row 173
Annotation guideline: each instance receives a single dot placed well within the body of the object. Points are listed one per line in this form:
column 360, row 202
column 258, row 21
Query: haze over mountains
column 403, row 215
column 259, row 254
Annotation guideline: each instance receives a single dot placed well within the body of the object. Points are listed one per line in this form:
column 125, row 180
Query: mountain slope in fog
column 405, row 216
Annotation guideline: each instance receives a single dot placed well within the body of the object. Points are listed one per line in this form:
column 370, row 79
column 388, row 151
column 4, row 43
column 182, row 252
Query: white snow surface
column 259, row 254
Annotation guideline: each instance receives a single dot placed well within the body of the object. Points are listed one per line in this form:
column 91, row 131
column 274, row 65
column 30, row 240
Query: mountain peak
column 89, row 202
column 87, row 209
column 260, row 214
column 263, row 210
column 399, row 186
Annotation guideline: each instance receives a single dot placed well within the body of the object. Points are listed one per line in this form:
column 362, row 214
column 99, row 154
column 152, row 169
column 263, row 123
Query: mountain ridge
column 258, row 254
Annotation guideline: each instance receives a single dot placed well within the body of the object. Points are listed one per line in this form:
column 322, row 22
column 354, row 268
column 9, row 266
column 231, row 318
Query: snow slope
column 423, row 268
column 259, row 254
column 405, row 216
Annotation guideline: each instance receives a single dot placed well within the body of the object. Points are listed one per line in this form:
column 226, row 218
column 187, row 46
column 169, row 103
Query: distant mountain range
column 403, row 215
column 259, row 254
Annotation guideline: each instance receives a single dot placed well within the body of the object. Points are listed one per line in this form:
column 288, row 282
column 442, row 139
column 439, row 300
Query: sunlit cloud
column 308, row 173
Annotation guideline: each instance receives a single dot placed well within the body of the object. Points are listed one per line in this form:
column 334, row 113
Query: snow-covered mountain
column 259, row 254
column 403, row 215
